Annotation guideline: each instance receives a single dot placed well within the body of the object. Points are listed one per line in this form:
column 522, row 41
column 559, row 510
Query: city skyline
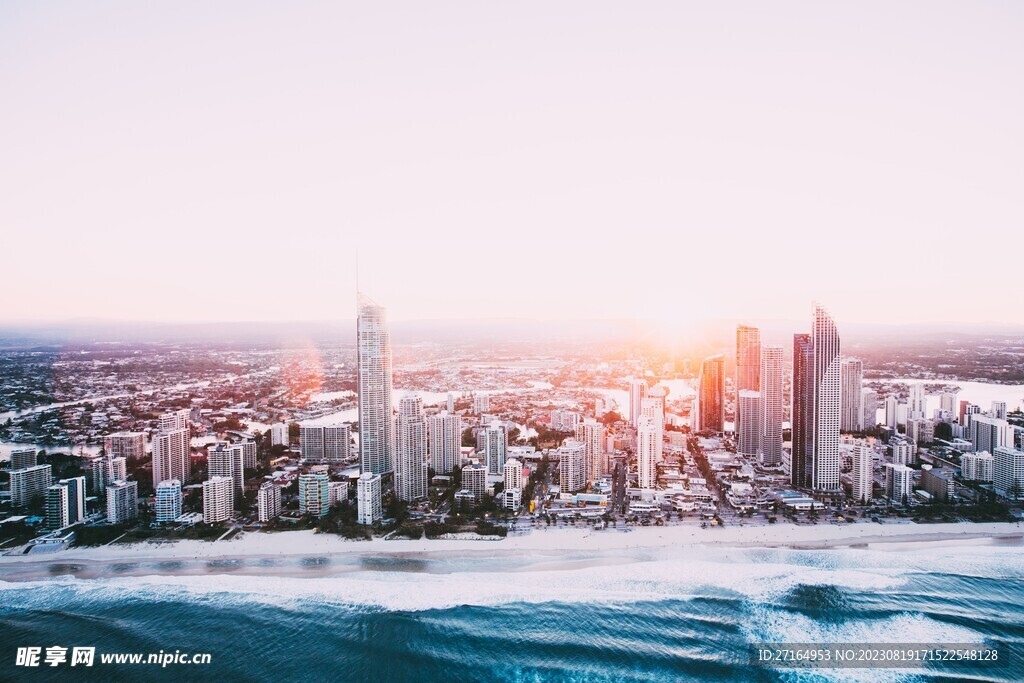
column 730, row 156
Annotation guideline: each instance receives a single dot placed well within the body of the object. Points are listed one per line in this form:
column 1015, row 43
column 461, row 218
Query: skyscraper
column 368, row 502
column 495, row 442
column 591, row 433
column 572, row 466
column 748, row 358
column 827, row 402
column 23, row 458
column 444, row 434
column 801, row 469
column 648, row 445
column 711, row 395
column 869, row 399
column 411, row 454
column 268, row 501
column 65, row 503
column 637, row 393
column 223, row 460
column 949, row 403
column 218, row 499
column 325, row 443
column 989, row 433
column 57, row 507
column 122, row 501
column 748, row 432
column 1008, row 472
column 748, row 370
column 128, row 445
column 852, row 383
column 172, row 458
column 168, row 501
column 374, row 388
column 29, row 484
column 771, row 406
column 917, row 406
column 863, row 472
column 314, row 497
column 279, row 434
column 892, row 412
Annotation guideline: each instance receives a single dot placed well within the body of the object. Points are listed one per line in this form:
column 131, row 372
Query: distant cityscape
column 267, row 440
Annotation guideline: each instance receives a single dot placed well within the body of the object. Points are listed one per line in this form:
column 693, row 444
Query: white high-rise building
column 325, row 443
column 172, row 451
column 513, row 474
column 29, row 484
column 218, row 499
column 76, row 498
column 899, row 483
column 637, row 393
column 268, row 502
column 376, row 431
column 949, row 403
column 904, row 450
column 474, row 480
column 647, row 451
column 998, row 410
column 863, row 472
column 444, row 434
column 168, row 501
column 314, row 494
column 748, row 436
column 23, row 458
column 57, row 507
column 128, row 445
column 451, row 402
column 653, row 406
column 411, row 452
column 892, row 412
column 224, row 460
column 917, row 406
column 175, row 419
column 368, row 503
column 311, row 442
column 248, row 450
column 481, row 404
column 337, row 442
column 771, row 405
column 563, row 420
column 852, row 382
column 572, row 466
column 495, row 445
column 826, row 404
column 869, row 398
column 976, row 466
column 591, row 433
column 122, row 501
column 279, row 434
column 989, row 433
column 117, row 468
column 1008, row 472
column 65, row 503
column 337, row 493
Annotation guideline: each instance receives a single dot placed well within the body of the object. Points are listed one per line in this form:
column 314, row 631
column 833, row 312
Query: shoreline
column 305, row 544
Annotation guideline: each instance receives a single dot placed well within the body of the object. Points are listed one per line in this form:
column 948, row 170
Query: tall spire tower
column 373, row 348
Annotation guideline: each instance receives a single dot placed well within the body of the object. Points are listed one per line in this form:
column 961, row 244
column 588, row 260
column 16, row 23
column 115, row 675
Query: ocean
column 627, row 615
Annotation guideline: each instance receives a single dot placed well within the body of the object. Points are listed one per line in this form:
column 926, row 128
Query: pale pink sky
column 670, row 160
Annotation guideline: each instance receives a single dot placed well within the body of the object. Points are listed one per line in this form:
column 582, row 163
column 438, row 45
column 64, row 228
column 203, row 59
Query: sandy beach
column 307, row 544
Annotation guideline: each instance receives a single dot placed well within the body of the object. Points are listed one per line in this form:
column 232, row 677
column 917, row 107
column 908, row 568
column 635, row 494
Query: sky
column 667, row 161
